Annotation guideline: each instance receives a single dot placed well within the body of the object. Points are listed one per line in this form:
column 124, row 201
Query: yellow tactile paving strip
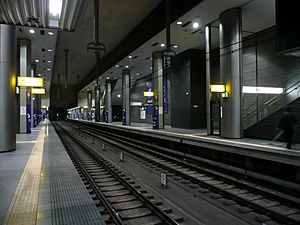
column 23, row 207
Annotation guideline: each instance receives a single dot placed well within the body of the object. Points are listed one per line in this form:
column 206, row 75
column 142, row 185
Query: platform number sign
column 163, row 180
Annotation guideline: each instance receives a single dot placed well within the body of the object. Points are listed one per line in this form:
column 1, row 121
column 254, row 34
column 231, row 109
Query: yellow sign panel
column 30, row 82
column 148, row 93
column 217, row 88
column 38, row 91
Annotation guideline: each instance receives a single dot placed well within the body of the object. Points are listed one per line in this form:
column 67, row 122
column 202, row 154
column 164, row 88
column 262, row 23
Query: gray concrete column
column 231, row 72
column 97, row 103
column 8, row 115
column 208, row 68
column 157, row 83
column 89, row 104
column 25, row 92
column 108, row 108
column 126, row 96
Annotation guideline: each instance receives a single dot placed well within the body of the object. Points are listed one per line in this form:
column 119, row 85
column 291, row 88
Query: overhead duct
column 55, row 14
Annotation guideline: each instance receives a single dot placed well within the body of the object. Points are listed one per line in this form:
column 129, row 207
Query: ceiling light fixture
column 39, row 74
column 37, row 60
column 119, row 96
column 49, row 50
column 162, row 45
column 195, row 25
column 175, row 46
column 130, row 57
column 50, row 33
column 31, row 31
column 179, row 23
column 117, row 66
column 126, row 67
column 49, row 61
column 137, row 74
column 107, row 78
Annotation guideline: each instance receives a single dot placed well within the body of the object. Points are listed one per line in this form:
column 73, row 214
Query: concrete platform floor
column 39, row 184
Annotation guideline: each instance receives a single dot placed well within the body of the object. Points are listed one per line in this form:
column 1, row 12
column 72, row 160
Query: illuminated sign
column 30, row 82
column 217, row 88
column 38, row 91
column 262, row 90
column 148, row 93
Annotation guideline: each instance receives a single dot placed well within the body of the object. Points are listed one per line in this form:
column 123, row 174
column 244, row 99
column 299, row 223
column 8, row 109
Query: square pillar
column 126, row 97
column 108, row 96
column 25, row 92
column 157, row 83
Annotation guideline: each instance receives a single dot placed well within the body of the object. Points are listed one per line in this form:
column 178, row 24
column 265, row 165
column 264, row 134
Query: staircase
column 265, row 105
column 267, row 128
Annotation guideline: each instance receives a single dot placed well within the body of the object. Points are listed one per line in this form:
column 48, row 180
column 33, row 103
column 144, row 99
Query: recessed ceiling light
column 195, row 25
column 39, row 74
column 49, row 50
column 162, row 45
column 50, row 61
column 117, row 66
column 119, row 96
column 31, row 31
column 126, row 66
column 48, row 69
column 150, row 68
column 175, row 46
column 50, row 33
column 137, row 74
column 130, row 57
column 107, row 78
column 37, row 60
column 179, row 22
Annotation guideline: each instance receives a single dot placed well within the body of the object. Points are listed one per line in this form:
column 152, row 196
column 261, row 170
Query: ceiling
column 117, row 19
column 257, row 15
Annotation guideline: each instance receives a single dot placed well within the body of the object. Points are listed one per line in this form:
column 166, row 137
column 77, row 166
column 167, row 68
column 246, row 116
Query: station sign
column 217, row 88
column 38, row 91
column 30, row 82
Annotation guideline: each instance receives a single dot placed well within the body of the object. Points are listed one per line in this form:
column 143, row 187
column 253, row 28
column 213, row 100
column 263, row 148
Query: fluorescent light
column 119, row 96
column 175, row 46
column 217, row 88
column 37, row 60
column 50, row 33
column 31, row 31
column 195, row 25
column 126, row 66
column 117, row 66
column 130, row 57
column 262, row 90
column 107, row 78
column 55, row 7
column 162, row 45
column 179, row 22
column 49, row 61
column 48, row 69
column 49, row 50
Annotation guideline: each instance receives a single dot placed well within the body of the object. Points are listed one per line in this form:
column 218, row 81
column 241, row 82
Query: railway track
column 120, row 200
column 274, row 207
